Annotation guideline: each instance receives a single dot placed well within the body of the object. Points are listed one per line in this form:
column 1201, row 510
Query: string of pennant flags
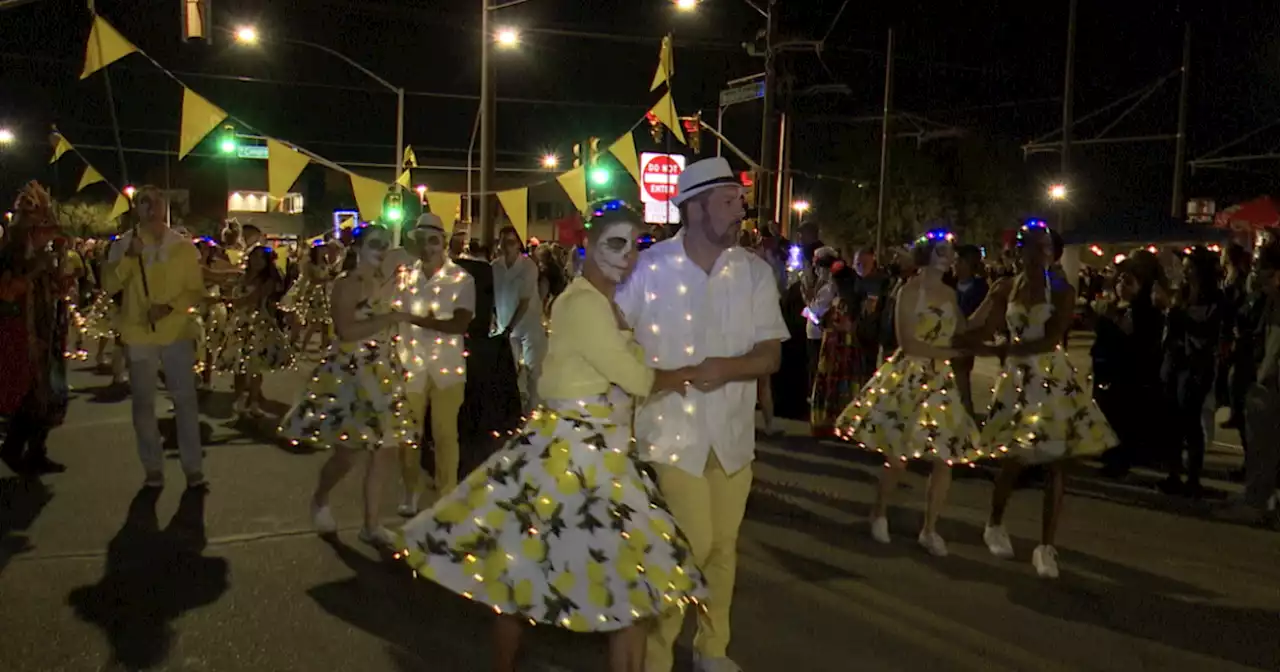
column 90, row 175
column 286, row 161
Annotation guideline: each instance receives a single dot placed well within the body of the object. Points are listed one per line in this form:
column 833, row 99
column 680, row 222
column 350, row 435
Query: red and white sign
column 659, row 174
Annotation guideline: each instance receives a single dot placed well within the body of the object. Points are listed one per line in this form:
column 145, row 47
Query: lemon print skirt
column 1042, row 410
column 355, row 398
column 560, row 527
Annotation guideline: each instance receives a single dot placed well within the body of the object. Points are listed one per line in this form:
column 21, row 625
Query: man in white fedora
column 694, row 298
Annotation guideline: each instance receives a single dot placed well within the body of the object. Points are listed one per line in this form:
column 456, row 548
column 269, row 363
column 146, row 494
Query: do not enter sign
column 658, row 176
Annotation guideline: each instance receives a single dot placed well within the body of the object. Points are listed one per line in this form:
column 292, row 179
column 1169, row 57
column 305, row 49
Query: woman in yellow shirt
column 562, row 527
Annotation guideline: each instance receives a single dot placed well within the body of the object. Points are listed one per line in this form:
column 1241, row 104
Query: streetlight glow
column 550, row 161
column 1058, row 192
column 686, row 5
column 507, row 37
column 247, row 35
column 7, row 136
column 800, row 206
column 129, row 191
column 422, row 191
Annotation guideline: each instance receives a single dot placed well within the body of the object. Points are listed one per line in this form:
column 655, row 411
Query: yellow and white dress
column 308, row 298
column 1042, row 408
column 562, row 526
column 356, row 394
column 911, row 406
column 254, row 342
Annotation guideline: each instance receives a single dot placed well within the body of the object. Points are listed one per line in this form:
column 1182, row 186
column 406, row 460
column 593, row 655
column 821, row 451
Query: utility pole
column 487, row 112
column 1068, row 113
column 884, row 144
column 1180, row 154
column 768, row 190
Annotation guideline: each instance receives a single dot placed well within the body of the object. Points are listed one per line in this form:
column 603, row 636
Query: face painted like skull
column 614, row 251
column 373, row 247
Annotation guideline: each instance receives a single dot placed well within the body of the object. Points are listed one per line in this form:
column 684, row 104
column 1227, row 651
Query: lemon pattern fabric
column 911, row 406
column 561, row 527
column 255, row 343
column 1042, row 407
column 356, row 394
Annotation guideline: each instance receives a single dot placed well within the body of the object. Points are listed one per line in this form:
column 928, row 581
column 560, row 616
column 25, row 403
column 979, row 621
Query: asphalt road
column 95, row 577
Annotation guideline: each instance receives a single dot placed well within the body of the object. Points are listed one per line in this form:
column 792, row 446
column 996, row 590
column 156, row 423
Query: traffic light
column 748, row 179
column 578, row 161
column 600, row 177
column 655, row 126
column 227, row 140
column 195, row 20
column 693, row 131
column 393, row 208
column 593, row 148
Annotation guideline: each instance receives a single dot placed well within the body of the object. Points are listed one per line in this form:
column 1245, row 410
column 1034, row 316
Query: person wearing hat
column 433, row 352
column 699, row 299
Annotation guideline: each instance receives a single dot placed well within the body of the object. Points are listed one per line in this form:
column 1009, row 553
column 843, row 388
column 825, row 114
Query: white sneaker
column 240, row 406
column 322, row 519
column 721, row 664
column 998, row 541
column 379, row 537
column 933, row 543
column 880, row 529
column 1045, row 559
column 407, row 510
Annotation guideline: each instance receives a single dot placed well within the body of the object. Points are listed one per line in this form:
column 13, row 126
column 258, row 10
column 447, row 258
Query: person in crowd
column 443, row 298
column 902, row 270
column 971, row 291
column 1041, row 412
column 840, row 371
column 157, row 271
column 702, row 446
column 1235, row 373
column 255, row 341
column 220, row 277
column 310, row 297
column 1190, row 354
column 523, row 534
column 355, row 402
column 871, row 295
column 551, row 277
column 820, row 297
column 515, row 278
column 1118, row 381
column 910, row 409
column 34, row 324
column 766, row 249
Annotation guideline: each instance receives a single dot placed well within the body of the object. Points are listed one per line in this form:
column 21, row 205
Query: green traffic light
column 394, row 214
column 228, row 146
column 600, row 177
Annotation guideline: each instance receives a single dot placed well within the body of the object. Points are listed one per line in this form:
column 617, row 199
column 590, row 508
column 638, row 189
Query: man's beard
column 723, row 240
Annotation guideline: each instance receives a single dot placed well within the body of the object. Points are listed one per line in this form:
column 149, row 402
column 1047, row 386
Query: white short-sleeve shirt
column 682, row 315
column 424, row 351
column 510, row 285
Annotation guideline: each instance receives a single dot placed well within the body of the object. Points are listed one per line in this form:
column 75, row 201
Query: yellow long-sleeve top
column 173, row 279
column 587, row 352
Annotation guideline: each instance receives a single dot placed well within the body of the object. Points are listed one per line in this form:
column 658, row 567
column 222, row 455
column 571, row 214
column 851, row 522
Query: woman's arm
column 989, row 317
column 342, row 310
column 905, row 319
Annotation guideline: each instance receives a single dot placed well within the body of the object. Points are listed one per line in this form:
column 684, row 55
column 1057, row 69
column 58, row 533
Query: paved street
column 90, row 582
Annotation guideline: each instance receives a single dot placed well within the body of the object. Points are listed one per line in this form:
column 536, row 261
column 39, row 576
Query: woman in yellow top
column 562, row 527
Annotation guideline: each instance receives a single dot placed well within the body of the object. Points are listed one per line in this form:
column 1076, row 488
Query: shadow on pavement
column 1127, row 599
column 152, row 577
column 111, row 393
column 21, row 501
column 429, row 628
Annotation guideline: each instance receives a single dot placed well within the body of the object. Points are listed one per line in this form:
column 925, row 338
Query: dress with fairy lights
column 562, row 526
column 98, row 320
column 356, row 393
column 308, row 298
column 254, row 342
column 911, row 406
column 1042, row 409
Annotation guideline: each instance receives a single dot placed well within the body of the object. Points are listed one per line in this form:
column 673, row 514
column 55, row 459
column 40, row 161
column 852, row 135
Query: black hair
column 247, row 229
column 316, row 254
column 922, row 249
column 970, row 253
column 602, row 219
column 508, row 229
column 270, row 273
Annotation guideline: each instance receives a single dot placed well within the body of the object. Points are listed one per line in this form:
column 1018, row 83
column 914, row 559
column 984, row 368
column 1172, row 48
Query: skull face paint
column 614, row 251
column 373, row 247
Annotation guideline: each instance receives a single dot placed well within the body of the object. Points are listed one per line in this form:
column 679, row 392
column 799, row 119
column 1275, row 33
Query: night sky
column 991, row 67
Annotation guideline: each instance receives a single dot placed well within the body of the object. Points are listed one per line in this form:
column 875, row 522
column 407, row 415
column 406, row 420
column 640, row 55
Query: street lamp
column 550, row 161
column 249, row 35
column 1058, row 192
column 7, row 136
column 129, row 191
column 686, row 5
column 800, row 206
column 422, row 192
column 507, row 38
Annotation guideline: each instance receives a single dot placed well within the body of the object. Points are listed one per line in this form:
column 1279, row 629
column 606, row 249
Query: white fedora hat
column 703, row 176
column 427, row 223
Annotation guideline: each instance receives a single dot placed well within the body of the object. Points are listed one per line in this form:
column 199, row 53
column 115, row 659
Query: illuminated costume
column 562, row 526
column 255, row 343
column 308, row 298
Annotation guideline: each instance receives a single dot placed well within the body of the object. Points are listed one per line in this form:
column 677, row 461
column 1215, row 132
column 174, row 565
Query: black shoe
column 1171, row 486
column 44, row 465
column 13, row 461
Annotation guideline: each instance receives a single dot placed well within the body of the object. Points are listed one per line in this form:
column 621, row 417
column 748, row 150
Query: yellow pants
column 444, row 403
column 709, row 511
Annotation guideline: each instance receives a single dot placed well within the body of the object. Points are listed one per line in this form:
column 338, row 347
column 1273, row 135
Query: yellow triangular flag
column 405, row 179
column 410, row 159
column 369, row 194
column 665, row 111
column 574, row 184
column 624, row 150
column 60, row 148
column 199, row 117
column 446, row 206
column 515, row 202
column 284, row 165
column 106, row 46
column 666, row 65
column 118, row 208
column 91, row 176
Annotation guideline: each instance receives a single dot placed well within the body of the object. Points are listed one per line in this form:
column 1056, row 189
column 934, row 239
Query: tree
column 86, row 219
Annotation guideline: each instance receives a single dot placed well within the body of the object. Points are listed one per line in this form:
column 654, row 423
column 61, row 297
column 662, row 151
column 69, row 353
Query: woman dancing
column 308, row 298
column 1042, row 410
column 912, row 406
column 256, row 343
column 562, row 527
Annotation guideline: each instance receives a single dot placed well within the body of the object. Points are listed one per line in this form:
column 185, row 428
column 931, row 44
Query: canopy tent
column 1250, row 216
